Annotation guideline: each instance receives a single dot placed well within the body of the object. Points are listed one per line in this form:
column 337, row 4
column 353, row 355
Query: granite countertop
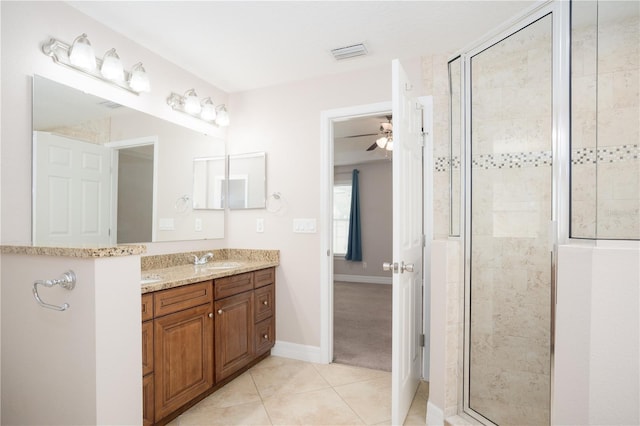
column 162, row 272
column 75, row 251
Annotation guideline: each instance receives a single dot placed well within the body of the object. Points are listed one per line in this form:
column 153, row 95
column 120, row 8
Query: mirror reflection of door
column 135, row 194
column 238, row 192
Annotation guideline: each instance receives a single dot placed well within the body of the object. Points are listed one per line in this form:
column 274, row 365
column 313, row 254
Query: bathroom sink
column 219, row 265
column 150, row 279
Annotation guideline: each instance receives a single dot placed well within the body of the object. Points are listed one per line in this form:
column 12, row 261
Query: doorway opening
column 362, row 297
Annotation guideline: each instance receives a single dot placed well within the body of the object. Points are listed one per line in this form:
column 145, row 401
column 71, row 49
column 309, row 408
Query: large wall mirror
column 105, row 174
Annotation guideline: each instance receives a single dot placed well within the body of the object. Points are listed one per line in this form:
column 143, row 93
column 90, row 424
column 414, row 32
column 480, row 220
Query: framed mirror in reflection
column 105, row 174
column 247, row 181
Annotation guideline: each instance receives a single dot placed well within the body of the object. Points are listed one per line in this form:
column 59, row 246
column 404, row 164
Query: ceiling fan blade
column 357, row 136
column 372, row 147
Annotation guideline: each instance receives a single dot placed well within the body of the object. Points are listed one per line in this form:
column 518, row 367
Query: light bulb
column 139, row 80
column 222, row 119
column 381, row 142
column 208, row 110
column 81, row 53
column 191, row 102
column 112, row 66
column 389, row 146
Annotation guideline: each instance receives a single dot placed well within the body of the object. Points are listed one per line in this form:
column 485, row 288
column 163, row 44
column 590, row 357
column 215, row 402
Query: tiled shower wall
column 605, row 128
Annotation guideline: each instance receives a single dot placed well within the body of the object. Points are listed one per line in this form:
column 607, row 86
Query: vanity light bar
column 59, row 52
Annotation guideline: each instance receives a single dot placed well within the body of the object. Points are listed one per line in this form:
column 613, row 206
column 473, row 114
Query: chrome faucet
column 202, row 260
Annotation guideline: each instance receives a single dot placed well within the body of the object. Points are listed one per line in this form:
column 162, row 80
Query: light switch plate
column 260, row 225
column 166, row 224
column 198, row 224
column 304, row 226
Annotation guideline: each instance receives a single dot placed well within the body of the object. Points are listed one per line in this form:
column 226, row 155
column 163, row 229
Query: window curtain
column 354, row 245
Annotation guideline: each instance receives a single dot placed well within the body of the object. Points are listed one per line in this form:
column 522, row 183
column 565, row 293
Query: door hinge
column 424, row 240
column 422, row 340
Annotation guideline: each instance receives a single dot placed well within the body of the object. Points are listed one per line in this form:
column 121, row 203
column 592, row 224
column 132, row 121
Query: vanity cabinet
column 196, row 337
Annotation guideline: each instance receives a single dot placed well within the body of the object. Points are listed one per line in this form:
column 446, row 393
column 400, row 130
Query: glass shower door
column 508, row 330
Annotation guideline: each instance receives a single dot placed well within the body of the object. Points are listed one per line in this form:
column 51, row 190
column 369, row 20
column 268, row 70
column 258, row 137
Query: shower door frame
column 560, row 145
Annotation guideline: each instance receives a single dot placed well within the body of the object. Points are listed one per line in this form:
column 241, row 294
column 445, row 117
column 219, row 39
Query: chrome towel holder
column 66, row 281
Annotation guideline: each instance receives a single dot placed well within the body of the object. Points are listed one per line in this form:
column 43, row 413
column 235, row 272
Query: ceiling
column 349, row 150
column 244, row 45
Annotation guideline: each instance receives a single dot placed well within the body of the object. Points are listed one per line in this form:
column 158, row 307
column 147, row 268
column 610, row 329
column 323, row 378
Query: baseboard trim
column 296, row 351
column 362, row 279
column 435, row 415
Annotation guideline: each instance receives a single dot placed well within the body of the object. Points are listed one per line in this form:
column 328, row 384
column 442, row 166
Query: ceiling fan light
column 81, row 53
column 389, row 146
column 382, row 141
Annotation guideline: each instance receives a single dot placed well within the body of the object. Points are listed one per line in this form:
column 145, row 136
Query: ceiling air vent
column 349, row 51
column 110, row 104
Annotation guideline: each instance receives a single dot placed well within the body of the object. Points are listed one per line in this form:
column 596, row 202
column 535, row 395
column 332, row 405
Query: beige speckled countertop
column 88, row 252
column 169, row 271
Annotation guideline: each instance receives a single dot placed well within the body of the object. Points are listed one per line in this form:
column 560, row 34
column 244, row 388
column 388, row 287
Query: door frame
column 327, row 118
column 115, row 147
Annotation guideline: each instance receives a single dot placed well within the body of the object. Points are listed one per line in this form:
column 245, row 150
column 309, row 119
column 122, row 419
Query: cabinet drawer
column 147, row 306
column 147, row 347
column 264, row 277
column 235, row 284
column 265, row 335
column 180, row 298
column 264, row 302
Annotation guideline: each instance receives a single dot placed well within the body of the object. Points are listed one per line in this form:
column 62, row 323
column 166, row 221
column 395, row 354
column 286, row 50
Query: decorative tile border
column 513, row 160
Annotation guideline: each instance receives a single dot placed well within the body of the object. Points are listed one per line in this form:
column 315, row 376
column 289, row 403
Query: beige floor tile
column 252, row 413
column 371, row 400
column 276, row 361
column 239, row 391
column 287, row 379
column 321, row 407
column 417, row 412
column 340, row 374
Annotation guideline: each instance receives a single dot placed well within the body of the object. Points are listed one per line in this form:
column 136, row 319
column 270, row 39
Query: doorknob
column 390, row 266
column 406, row 267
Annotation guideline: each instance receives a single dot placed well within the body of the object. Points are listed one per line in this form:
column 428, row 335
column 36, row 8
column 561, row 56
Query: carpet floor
column 362, row 325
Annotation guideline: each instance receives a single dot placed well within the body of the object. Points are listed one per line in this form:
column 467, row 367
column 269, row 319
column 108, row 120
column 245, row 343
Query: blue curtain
column 354, row 246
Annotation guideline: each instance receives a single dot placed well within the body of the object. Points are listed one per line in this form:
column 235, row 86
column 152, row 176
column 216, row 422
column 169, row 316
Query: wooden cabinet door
column 147, row 347
column 234, row 341
column 147, row 400
column 183, row 343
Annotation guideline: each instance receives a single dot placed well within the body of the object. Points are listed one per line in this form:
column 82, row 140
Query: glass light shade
column 112, row 68
column 139, row 80
column 381, row 141
column 222, row 119
column 81, row 53
column 389, row 146
column 191, row 102
column 208, row 110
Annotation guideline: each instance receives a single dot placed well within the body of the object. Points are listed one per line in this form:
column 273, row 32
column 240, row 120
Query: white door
column 72, row 191
column 407, row 244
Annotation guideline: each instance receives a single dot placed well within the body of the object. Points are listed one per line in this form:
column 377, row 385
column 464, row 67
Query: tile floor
column 282, row 391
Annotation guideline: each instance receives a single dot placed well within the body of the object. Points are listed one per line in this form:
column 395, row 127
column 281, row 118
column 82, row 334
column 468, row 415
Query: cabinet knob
column 219, row 311
column 266, row 336
column 210, row 314
column 265, row 303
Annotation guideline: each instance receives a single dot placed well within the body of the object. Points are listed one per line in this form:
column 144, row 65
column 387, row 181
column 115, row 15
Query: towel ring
column 274, row 202
column 182, row 204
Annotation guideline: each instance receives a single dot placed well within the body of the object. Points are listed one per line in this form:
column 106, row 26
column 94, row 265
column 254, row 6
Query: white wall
column 597, row 373
column 284, row 121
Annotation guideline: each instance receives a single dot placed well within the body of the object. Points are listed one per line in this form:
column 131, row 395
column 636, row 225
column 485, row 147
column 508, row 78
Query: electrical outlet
column 260, row 225
column 198, row 224
column 364, row 265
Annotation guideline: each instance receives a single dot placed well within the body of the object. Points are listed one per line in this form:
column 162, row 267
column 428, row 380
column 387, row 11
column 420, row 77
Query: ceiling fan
column 385, row 133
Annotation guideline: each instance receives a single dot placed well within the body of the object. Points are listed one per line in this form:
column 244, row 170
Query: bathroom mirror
column 247, row 181
column 209, row 183
column 85, row 148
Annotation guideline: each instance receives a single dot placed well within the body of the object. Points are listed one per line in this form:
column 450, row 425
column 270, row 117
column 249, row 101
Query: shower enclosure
column 548, row 155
